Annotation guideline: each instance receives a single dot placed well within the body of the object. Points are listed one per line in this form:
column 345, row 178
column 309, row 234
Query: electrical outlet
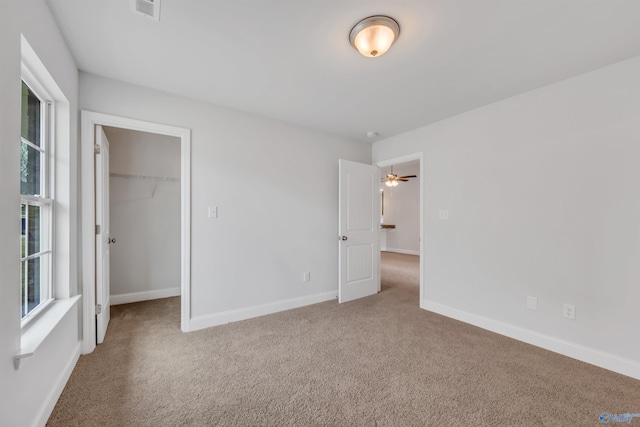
column 306, row 277
column 532, row 303
column 569, row 311
column 443, row 214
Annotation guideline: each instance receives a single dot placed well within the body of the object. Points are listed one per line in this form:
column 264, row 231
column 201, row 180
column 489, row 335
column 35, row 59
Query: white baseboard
column 50, row 403
column 144, row 296
column 589, row 355
column 215, row 319
column 402, row 251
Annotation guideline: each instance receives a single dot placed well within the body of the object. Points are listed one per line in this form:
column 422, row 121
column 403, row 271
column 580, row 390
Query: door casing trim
column 89, row 120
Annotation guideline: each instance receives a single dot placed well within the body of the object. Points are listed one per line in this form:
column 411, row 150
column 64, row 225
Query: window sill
column 35, row 314
column 40, row 328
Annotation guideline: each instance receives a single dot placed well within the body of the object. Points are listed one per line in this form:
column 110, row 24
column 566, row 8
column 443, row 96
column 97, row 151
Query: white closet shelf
column 132, row 176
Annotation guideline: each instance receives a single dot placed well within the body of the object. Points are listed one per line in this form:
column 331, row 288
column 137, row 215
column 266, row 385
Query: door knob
column 344, row 238
column 110, row 240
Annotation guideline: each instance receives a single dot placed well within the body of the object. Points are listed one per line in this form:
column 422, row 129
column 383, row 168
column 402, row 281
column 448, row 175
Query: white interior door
column 359, row 263
column 103, row 239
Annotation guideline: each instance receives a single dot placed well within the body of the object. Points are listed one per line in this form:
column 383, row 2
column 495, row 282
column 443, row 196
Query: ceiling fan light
column 388, row 183
column 394, row 183
column 373, row 36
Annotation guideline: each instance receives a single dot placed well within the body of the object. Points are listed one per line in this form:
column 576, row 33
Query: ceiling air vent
column 148, row 8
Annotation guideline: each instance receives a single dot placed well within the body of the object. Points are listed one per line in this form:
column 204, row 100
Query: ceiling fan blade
column 408, row 176
column 402, row 179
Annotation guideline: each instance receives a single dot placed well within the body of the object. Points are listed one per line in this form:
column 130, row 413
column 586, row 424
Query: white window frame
column 45, row 200
column 63, row 297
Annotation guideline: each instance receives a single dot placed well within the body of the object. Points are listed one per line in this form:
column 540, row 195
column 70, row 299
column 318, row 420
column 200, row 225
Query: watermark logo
column 606, row 418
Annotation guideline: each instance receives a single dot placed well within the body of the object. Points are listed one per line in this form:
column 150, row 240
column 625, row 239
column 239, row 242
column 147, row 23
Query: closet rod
column 125, row 175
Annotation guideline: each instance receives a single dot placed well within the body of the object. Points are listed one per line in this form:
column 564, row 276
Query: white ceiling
column 291, row 59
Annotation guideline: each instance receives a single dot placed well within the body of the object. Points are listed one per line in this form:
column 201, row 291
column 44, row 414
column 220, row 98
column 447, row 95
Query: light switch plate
column 213, row 212
column 532, row 303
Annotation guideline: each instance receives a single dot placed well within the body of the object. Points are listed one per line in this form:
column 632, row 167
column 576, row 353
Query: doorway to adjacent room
column 401, row 223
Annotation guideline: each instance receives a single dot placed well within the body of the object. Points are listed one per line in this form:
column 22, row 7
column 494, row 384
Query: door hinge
column 98, row 308
column 96, row 148
column 98, row 230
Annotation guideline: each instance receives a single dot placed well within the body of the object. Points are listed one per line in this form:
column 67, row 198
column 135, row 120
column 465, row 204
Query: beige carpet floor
column 376, row 361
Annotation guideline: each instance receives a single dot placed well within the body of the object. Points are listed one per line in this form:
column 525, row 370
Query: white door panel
column 102, row 238
column 359, row 263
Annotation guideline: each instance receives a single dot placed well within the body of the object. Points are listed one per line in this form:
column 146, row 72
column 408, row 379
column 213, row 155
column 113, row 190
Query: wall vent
column 148, row 8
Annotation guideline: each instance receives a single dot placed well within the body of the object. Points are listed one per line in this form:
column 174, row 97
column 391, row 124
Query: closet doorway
column 144, row 201
column 144, row 179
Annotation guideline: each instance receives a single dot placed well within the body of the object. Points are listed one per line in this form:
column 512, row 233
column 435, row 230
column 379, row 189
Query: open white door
column 103, row 239
column 358, row 207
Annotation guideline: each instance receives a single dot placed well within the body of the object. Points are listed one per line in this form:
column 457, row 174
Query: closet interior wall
column 145, row 215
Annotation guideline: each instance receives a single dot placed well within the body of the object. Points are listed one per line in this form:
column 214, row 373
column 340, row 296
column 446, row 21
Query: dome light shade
column 373, row 36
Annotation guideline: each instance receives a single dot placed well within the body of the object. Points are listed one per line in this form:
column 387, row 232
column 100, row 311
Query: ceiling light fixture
column 373, row 36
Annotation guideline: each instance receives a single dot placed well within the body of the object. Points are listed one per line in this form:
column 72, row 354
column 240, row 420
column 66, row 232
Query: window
column 36, row 201
column 47, row 167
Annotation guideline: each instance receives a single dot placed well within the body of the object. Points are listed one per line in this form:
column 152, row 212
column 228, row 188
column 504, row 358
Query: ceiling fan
column 393, row 179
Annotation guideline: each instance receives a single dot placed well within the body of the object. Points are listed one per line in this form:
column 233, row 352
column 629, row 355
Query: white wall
column 144, row 215
column 275, row 186
column 402, row 209
column 543, row 200
column 9, row 189
column 27, row 394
